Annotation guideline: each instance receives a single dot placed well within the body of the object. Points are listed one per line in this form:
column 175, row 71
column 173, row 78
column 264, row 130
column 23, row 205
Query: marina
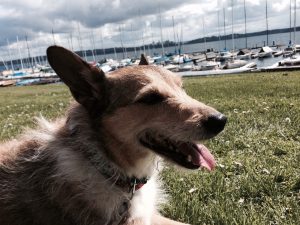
column 204, row 63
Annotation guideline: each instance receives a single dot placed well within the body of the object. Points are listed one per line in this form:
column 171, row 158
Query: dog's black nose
column 215, row 123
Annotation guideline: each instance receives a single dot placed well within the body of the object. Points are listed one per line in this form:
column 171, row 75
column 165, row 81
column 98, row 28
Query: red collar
column 137, row 184
column 124, row 182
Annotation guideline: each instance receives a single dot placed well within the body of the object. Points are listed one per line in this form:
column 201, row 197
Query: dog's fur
column 51, row 174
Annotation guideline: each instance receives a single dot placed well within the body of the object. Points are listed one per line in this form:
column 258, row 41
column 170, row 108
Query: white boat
column 105, row 68
column 244, row 54
column 247, row 68
column 185, row 68
column 232, row 64
column 172, row 67
column 265, row 52
column 211, row 55
column 209, row 65
column 288, row 52
column 293, row 61
column 297, row 48
column 225, row 55
column 5, row 83
column 179, row 59
column 254, row 55
column 278, row 53
column 245, row 57
column 198, row 58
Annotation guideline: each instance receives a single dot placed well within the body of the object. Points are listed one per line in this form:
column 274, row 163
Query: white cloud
column 138, row 20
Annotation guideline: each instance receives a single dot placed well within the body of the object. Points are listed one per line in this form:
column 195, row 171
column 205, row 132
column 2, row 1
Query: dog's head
column 143, row 109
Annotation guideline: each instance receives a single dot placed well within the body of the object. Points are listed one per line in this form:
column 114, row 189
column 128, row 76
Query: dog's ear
column 86, row 83
column 143, row 60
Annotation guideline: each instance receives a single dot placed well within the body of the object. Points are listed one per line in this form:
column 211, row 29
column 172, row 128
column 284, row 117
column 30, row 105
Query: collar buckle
column 136, row 183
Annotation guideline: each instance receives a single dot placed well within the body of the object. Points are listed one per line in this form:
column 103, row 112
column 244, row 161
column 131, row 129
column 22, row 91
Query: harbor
column 206, row 63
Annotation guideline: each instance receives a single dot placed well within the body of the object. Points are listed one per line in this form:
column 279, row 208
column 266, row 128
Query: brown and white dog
column 98, row 165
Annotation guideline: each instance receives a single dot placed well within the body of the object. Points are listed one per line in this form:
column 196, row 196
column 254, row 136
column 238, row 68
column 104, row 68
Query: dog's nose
column 215, row 123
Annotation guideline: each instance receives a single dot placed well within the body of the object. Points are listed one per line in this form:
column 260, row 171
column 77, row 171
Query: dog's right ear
column 86, row 83
column 143, row 60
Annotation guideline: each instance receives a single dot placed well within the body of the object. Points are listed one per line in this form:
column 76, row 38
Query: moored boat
column 292, row 61
column 265, row 52
column 288, row 52
column 244, row 54
column 5, row 83
column 232, row 64
column 278, row 53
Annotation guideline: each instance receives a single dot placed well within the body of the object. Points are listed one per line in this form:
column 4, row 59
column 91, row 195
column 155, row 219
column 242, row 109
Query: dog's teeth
column 189, row 158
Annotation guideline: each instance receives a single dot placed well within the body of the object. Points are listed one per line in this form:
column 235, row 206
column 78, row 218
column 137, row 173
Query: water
column 252, row 42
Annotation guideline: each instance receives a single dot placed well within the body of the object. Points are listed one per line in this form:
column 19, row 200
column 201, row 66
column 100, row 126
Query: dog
column 99, row 164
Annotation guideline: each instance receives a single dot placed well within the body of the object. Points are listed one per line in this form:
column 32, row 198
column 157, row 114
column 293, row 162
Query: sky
column 85, row 24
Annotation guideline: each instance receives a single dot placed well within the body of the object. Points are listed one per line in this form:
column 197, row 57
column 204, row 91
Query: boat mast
column 219, row 28
column 181, row 39
column 290, row 22
column 133, row 40
column 53, row 36
column 143, row 38
column 152, row 39
column 174, row 35
column 71, row 41
column 21, row 60
column 161, row 34
column 93, row 45
column 267, row 25
column 80, row 41
column 115, row 51
column 6, row 68
column 9, row 53
column 295, row 20
column 29, row 57
column 204, row 36
column 224, row 28
column 103, row 49
column 245, row 14
column 121, row 41
column 232, row 31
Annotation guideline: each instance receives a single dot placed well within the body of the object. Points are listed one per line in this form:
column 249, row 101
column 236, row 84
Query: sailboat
column 296, row 46
column 225, row 54
column 245, row 15
column 267, row 24
column 266, row 51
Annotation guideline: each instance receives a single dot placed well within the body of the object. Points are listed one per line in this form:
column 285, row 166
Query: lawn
column 257, row 180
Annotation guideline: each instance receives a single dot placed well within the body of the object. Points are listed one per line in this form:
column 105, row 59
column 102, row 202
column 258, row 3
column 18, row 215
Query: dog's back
column 45, row 179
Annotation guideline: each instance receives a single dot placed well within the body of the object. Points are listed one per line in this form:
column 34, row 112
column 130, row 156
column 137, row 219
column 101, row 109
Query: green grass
column 257, row 180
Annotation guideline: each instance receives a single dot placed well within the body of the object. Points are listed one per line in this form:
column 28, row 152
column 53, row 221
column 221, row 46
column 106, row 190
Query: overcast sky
column 133, row 21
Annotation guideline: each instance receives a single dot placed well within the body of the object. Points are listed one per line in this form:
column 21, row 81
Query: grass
column 257, row 180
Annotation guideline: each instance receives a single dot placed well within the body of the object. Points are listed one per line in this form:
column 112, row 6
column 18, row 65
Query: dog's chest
column 143, row 203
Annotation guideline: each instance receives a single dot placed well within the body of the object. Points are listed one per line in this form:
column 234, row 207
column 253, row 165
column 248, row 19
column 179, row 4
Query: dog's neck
column 110, row 157
column 134, row 162
column 110, row 171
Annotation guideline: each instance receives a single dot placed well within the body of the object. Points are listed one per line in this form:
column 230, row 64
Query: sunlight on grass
column 257, row 178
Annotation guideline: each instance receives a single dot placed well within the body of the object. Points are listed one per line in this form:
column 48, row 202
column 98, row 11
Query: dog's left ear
column 86, row 82
column 143, row 60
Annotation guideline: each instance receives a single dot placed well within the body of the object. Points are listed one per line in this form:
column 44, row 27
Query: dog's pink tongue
column 207, row 160
column 200, row 156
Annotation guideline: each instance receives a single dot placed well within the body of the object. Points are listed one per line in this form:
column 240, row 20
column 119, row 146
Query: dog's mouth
column 185, row 153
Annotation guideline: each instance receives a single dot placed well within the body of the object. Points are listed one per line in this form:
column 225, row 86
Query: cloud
column 138, row 20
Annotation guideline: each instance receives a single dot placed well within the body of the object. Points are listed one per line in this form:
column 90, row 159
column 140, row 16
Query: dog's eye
column 151, row 98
